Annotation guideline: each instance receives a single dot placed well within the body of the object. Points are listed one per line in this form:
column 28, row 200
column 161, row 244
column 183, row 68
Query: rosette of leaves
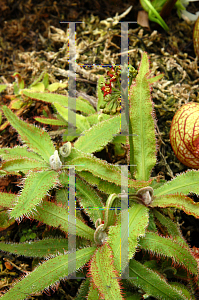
column 44, row 169
column 146, row 218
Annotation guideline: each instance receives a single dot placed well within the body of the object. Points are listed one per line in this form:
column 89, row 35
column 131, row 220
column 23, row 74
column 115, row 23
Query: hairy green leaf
column 183, row 289
column 19, row 152
column 50, row 121
column 36, row 139
column 47, row 97
column 53, row 215
column 81, row 104
column 142, row 122
column 184, row 183
column 5, row 221
column 138, row 221
column 47, row 274
column 102, row 169
column 98, row 135
column 83, row 290
column 89, row 200
column 178, row 201
column 103, row 272
column 93, row 293
column 35, row 188
column 102, row 185
column 13, row 166
column 97, row 118
column 81, row 121
column 167, row 247
column 84, row 106
column 171, row 227
column 7, row 200
column 152, row 283
column 41, row 248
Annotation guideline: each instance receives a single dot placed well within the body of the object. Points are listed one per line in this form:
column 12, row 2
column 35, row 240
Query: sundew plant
column 165, row 267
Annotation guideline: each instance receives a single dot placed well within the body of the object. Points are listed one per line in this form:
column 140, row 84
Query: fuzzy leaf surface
column 184, row 183
column 41, row 248
column 102, row 185
column 53, row 215
column 47, row 97
column 86, row 194
column 62, row 196
column 93, row 119
column 167, row 247
column 98, row 136
column 36, row 139
column 84, row 106
column 142, row 121
column 183, row 289
column 50, row 121
column 81, row 121
column 5, row 221
column 35, row 188
column 83, row 290
column 152, row 283
column 47, row 274
column 93, row 293
column 103, row 170
column 81, row 104
column 171, row 227
column 178, row 201
column 89, row 200
column 7, row 200
column 13, row 166
column 74, row 154
column 138, row 221
column 103, row 272
column 19, row 152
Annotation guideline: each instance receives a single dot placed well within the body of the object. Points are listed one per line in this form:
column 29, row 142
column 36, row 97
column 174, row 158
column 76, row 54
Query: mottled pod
column 196, row 37
column 184, row 134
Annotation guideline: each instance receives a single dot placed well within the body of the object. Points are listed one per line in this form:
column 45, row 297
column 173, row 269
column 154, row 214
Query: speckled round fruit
column 184, row 135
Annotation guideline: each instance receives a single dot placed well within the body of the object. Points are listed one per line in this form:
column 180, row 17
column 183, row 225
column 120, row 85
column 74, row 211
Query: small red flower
column 113, row 78
column 112, row 74
column 107, row 89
